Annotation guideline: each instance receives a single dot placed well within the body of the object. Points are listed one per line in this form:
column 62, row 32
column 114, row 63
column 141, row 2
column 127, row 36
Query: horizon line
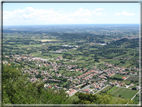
column 73, row 24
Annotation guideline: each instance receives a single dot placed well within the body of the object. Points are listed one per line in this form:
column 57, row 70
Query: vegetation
column 105, row 90
column 124, row 93
column 18, row 90
column 111, row 89
column 99, row 99
column 64, row 57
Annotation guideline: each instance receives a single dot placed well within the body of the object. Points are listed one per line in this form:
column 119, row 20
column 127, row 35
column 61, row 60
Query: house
column 5, row 62
column 127, row 86
column 123, row 78
column 138, row 87
column 97, row 87
column 87, row 91
column 71, row 92
column 118, row 85
column 46, row 85
column 49, row 86
column 132, row 85
column 122, row 83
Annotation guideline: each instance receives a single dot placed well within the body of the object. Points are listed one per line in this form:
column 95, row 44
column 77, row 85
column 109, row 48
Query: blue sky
column 70, row 13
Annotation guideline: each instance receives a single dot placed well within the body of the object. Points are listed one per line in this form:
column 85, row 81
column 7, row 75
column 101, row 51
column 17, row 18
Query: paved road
column 125, row 87
column 127, row 77
column 135, row 95
column 79, row 85
column 86, row 87
column 101, row 89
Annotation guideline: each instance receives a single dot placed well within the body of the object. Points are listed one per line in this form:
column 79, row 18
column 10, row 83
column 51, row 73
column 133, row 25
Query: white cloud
column 98, row 14
column 86, row 20
column 30, row 13
column 81, row 12
column 97, row 9
column 117, row 14
column 124, row 13
column 49, row 16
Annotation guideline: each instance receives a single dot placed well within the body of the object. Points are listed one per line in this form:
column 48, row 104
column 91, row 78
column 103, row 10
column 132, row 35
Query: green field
column 136, row 99
column 124, row 92
column 133, row 78
column 106, row 89
column 118, row 76
column 111, row 89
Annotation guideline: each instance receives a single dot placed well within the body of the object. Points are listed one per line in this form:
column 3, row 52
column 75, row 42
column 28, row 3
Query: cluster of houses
column 123, row 58
column 88, row 75
column 117, row 83
column 65, row 50
column 71, row 92
column 98, row 44
column 98, row 85
column 54, row 87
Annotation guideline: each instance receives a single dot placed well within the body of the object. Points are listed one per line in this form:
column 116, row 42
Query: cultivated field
column 106, row 89
column 118, row 76
column 133, row 78
column 112, row 89
column 124, row 92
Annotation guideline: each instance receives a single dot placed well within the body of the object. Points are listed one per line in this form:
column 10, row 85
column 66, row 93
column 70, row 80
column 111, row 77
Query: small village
column 93, row 79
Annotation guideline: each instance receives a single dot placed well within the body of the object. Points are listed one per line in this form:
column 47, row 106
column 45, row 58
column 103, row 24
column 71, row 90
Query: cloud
column 98, row 14
column 81, row 12
column 124, row 13
column 30, row 14
column 99, row 9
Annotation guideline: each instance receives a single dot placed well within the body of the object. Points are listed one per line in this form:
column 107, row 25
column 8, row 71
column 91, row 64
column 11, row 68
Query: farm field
column 136, row 99
column 125, row 93
column 133, row 78
column 112, row 89
column 119, row 76
column 65, row 57
column 106, row 89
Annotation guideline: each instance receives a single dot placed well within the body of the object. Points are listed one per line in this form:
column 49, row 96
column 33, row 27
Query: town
column 78, row 62
column 86, row 79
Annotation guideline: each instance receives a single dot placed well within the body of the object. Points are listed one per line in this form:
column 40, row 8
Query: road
column 101, row 89
column 125, row 87
column 135, row 95
column 127, row 77
column 79, row 85
column 86, row 87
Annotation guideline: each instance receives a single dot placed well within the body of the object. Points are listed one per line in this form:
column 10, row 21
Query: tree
column 99, row 99
column 18, row 90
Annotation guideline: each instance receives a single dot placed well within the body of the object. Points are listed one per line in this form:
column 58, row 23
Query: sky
column 70, row 13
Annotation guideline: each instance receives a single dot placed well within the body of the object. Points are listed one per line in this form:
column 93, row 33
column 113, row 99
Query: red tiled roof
column 86, row 90
column 124, row 77
column 49, row 86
